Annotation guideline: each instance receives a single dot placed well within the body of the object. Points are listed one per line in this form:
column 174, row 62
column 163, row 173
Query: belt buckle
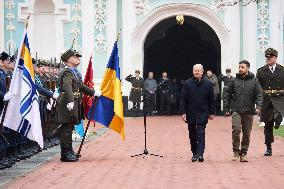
column 273, row 91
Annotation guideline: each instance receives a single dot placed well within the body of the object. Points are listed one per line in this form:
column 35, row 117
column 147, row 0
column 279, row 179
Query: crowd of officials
column 161, row 96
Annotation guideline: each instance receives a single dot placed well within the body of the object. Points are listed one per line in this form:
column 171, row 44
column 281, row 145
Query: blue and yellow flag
column 108, row 109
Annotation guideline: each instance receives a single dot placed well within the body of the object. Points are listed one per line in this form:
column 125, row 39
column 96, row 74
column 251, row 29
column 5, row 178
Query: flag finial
column 118, row 35
column 27, row 21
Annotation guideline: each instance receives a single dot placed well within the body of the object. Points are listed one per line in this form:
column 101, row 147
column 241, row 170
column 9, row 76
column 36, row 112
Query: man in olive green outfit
column 242, row 94
column 69, row 108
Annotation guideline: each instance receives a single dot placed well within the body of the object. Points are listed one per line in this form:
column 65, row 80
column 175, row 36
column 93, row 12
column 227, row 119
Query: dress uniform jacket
column 2, row 88
column 71, row 86
column 273, row 86
column 136, row 89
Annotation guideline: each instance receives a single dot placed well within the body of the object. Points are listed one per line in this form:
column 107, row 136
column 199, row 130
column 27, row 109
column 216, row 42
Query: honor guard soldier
column 69, row 107
column 136, row 92
column 44, row 95
column 271, row 77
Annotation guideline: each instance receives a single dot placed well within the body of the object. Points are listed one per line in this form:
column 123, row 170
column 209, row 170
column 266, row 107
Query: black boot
column 200, row 158
column 268, row 151
column 194, row 158
column 68, row 157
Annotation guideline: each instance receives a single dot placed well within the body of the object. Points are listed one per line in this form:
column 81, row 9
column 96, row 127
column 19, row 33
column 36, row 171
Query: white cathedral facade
column 214, row 33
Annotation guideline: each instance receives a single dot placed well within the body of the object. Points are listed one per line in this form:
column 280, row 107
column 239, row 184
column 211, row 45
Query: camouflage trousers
column 241, row 122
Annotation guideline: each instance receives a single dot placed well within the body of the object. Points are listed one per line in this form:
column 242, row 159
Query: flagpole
column 13, row 78
column 88, row 124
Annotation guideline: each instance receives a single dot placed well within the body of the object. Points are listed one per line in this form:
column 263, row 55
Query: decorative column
column 10, row 45
column 263, row 31
column 100, row 26
column 76, row 29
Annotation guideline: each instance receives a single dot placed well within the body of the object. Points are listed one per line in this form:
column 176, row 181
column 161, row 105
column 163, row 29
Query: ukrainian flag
column 108, row 109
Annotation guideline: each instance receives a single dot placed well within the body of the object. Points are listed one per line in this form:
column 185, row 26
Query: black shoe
column 200, row 158
column 268, row 152
column 68, row 157
column 194, row 158
column 278, row 119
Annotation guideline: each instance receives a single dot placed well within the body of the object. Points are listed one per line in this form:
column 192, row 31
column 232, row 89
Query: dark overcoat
column 271, row 81
column 136, row 89
column 70, row 90
column 197, row 100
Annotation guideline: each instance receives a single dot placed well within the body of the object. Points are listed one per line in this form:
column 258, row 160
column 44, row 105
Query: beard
column 241, row 73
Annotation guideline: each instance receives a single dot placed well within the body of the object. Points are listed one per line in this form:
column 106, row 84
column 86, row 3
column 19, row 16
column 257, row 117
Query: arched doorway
column 175, row 49
column 167, row 11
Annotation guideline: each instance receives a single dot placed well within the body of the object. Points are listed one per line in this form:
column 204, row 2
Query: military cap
column 12, row 58
column 271, row 51
column 4, row 56
column 137, row 71
column 67, row 54
column 39, row 63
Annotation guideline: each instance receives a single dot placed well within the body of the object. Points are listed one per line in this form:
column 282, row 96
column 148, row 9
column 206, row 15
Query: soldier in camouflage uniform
column 69, row 108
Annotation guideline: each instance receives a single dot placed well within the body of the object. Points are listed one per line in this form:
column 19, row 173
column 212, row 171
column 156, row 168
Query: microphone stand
column 145, row 112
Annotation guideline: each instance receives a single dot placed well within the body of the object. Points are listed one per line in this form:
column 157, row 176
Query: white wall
column 1, row 26
column 250, row 35
column 88, row 28
column 129, row 64
column 276, row 27
column 232, row 21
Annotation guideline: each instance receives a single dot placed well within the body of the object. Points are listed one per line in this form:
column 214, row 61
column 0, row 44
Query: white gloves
column 70, row 106
column 55, row 95
column 98, row 93
column 7, row 96
column 48, row 106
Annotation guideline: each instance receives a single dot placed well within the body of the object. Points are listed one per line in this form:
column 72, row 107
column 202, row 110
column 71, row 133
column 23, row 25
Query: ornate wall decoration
column 76, row 20
column 263, row 40
column 141, row 6
column 10, row 16
column 100, row 26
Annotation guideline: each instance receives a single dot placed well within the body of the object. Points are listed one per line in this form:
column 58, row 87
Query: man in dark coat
column 242, row 93
column 136, row 92
column 165, row 91
column 69, row 110
column 271, row 77
column 226, row 79
column 197, row 106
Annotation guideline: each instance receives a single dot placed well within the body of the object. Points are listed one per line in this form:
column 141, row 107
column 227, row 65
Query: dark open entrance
column 175, row 49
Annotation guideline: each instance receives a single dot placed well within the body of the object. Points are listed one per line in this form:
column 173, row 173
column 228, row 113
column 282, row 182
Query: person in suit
column 197, row 106
column 271, row 77
column 69, row 110
column 165, row 91
column 226, row 79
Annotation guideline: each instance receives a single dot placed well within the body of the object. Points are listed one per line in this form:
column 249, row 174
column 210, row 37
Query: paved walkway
column 106, row 162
